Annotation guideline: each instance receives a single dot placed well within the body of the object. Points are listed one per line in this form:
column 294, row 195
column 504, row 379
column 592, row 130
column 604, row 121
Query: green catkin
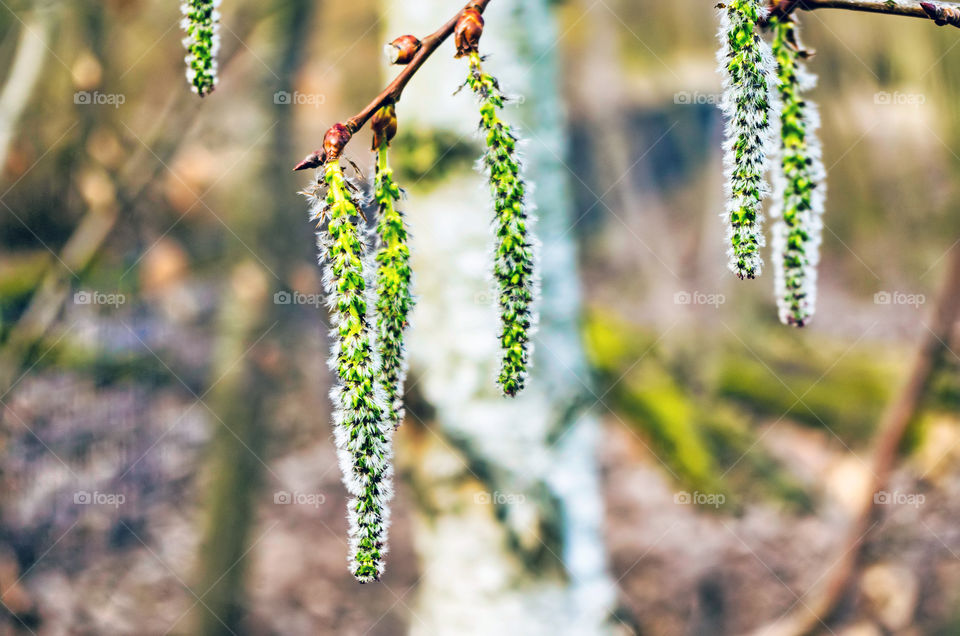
column 799, row 184
column 394, row 300
column 201, row 23
column 363, row 434
column 514, row 245
column 748, row 76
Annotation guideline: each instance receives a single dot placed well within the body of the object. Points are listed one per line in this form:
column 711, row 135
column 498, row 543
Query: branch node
column 941, row 15
column 391, row 94
column 314, row 160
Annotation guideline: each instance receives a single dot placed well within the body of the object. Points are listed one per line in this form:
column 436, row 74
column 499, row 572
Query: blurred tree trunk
column 246, row 373
column 508, row 526
column 35, row 31
column 240, row 385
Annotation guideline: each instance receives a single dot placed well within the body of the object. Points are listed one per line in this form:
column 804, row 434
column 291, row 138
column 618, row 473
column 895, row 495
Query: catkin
column 201, row 23
column 799, row 184
column 363, row 434
column 514, row 247
column 748, row 79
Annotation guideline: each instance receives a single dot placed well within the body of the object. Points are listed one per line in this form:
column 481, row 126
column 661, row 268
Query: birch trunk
column 508, row 526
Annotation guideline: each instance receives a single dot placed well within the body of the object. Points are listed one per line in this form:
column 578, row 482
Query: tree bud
column 402, row 50
column 467, row 33
column 384, row 125
column 334, row 141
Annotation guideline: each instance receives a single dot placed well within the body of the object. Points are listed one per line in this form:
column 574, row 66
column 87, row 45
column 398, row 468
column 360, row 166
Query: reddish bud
column 384, row 125
column 467, row 33
column 313, row 160
column 402, row 50
column 941, row 15
column 334, row 141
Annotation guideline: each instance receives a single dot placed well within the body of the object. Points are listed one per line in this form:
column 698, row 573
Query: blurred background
column 680, row 464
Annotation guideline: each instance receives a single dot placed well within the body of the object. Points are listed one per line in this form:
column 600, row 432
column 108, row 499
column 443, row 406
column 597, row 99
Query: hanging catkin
column 363, row 434
column 799, row 184
column 748, row 78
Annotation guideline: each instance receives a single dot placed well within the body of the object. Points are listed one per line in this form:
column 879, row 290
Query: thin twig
column 393, row 92
column 940, row 12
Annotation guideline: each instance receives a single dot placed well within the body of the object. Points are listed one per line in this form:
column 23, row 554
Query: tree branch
column 940, row 12
column 393, row 92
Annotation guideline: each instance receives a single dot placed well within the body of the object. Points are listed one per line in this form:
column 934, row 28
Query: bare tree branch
column 940, row 12
column 394, row 90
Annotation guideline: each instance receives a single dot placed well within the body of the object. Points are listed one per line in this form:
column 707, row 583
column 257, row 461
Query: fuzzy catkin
column 363, row 435
column 748, row 81
column 201, row 23
column 799, row 185
column 514, row 249
column 394, row 300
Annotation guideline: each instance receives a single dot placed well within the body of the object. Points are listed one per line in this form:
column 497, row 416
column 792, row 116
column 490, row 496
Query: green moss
column 21, row 273
column 694, row 421
column 824, row 387
column 427, row 158
column 650, row 396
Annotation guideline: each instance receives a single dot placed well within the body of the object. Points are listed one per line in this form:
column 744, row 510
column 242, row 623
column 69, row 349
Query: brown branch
column 818, row 606
column 940, row 12
column 393, row 92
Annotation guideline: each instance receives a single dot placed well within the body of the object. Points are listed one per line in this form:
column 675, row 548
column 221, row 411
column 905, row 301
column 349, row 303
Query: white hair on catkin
column 800, row 191
column 515, row 253
column 201, row 23
column 393, row 278
column 363, row 436
column 748, row 71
